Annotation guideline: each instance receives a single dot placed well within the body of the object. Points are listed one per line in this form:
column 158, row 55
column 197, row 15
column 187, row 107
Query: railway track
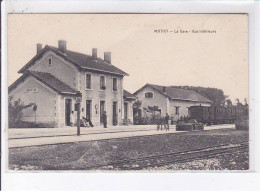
column 174, row 157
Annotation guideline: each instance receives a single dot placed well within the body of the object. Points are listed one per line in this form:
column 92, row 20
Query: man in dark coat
column 159, row 123
column 104, row 118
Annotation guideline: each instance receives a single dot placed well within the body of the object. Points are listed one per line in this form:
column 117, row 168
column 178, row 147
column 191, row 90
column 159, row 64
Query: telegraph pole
column 34, row 108
column 78, row 100
column 78, row 118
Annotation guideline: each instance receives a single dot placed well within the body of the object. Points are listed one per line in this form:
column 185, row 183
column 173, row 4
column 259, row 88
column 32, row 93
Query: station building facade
column 54, row 77
column 171, row 100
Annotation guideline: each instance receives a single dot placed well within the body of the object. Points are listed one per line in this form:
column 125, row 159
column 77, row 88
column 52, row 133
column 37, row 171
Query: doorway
column 68, row 106
column 102, row 110
column 114, row 121
column 88, row 109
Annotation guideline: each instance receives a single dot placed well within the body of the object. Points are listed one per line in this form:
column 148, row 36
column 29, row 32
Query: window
column 50, row 61
column 177, row 110
column 88, row 81
column 148, row 95
column 114, row 84
column 102, row 83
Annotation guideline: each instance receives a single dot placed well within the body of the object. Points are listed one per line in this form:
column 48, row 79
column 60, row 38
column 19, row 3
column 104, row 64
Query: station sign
column 32, row 90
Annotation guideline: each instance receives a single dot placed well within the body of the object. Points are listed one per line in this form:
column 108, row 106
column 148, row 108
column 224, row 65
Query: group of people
column 163, row 121
column 86, row 122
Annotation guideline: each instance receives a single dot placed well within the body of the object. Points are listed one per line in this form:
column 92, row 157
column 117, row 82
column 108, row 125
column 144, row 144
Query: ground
column 80, row 155
column 238, row 161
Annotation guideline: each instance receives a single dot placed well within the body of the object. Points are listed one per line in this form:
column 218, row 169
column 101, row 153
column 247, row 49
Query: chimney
column 62, row 45
column 94, row 53
column 39, row 47
column 107, row 57
column 164, row 89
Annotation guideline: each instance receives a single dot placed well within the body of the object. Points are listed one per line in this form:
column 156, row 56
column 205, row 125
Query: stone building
column 52, row 78
column 171, row 100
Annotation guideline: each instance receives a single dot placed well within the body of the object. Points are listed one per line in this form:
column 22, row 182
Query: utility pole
column 78, row 118
column 35, row 108
column 78, row 100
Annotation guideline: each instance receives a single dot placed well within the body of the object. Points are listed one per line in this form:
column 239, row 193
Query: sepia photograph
column 128, row 92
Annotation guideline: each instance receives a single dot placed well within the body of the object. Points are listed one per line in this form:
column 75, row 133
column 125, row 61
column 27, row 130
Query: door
column 68, row 106
column 139, row 113
column 102, row 110
column 114, row 121
column 125, row 111
column 88, row 109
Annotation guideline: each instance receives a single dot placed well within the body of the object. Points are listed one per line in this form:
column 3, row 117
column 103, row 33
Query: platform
column 48, row 136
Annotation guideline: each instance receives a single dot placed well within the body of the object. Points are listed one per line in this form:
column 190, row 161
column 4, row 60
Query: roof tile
column 78, row 59
column 48, row 80
column 127, row 94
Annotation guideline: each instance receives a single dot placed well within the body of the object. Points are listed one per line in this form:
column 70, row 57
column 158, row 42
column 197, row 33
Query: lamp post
column 78, row 100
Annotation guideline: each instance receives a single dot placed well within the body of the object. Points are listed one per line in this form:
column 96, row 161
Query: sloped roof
column 178, row 93
column 79, row 60
column 48, row 79
column 127, row 94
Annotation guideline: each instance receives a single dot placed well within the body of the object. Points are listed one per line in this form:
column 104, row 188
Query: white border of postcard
column 138, row 181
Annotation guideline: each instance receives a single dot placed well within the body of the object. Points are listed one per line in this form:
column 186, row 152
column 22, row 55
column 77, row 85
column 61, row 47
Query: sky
column 218, row 60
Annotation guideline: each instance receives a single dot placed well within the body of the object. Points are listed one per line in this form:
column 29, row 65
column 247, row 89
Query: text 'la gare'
column 164, row 31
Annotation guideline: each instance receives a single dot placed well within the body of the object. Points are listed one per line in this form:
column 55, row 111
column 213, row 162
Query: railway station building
column 171, row 100
column 55, row 75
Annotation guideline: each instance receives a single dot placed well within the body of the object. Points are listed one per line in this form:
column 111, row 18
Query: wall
column 60, row 68
column 96, row 95
column 157, row 100
column 45, row 100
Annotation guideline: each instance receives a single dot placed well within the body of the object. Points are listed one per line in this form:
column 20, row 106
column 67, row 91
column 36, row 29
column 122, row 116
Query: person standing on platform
column 159, row 123
column 72, row 119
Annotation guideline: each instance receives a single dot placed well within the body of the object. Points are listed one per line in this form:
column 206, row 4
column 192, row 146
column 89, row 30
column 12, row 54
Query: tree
column 238, row 103
column 228, row 102
column 245, row 101
column 15, row 108
column 137, row 104
column 153, row 109
column 215, row 95
column 137, row 111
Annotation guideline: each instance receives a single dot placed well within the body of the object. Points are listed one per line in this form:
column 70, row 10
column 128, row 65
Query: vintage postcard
column 128, row 92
